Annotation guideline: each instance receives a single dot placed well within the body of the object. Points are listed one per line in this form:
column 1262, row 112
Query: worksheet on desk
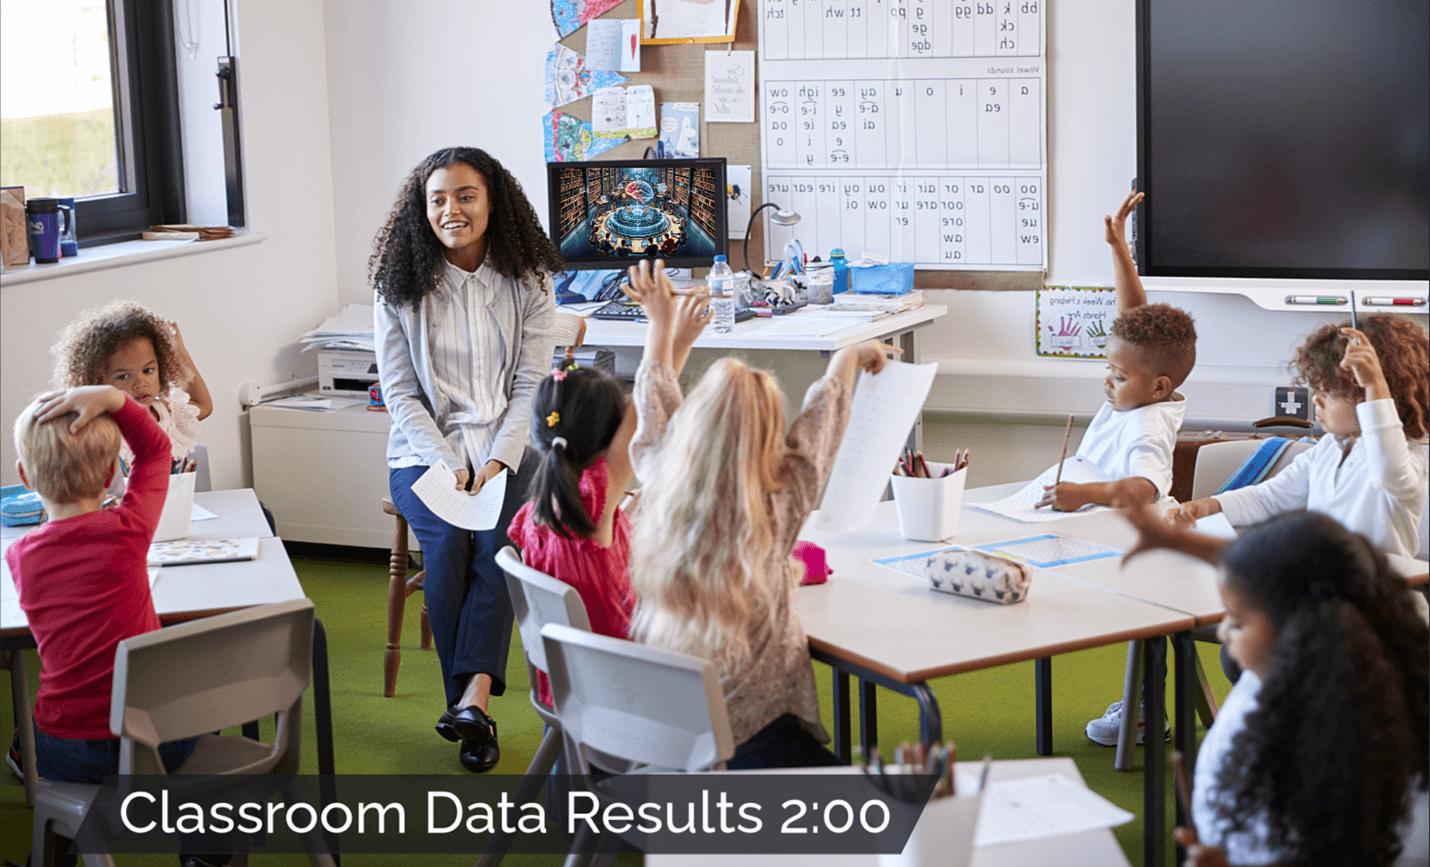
column 914, row 129
column 1020, row 506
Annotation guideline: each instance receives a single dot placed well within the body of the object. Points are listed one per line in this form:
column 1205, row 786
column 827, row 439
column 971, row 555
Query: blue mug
column 44, row 221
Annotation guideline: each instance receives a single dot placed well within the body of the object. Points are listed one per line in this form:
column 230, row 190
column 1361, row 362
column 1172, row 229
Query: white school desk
column 1067, row 850
column 191, row 592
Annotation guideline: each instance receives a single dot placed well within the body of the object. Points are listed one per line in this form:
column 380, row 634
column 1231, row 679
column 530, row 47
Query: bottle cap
column 719, row 258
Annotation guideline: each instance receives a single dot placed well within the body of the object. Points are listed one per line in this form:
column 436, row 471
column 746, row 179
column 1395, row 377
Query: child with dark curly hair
column 1372, row 396
column 1319, row 754
column 143, row 355
column 1151, row 350
column 464, row 325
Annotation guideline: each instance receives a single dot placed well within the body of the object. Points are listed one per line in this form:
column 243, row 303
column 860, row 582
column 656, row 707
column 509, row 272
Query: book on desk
column 190, row 552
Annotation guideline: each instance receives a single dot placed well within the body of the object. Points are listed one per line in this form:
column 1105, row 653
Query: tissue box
column 895, row 278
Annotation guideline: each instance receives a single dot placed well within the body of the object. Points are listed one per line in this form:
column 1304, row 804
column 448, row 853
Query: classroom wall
column 241, row 309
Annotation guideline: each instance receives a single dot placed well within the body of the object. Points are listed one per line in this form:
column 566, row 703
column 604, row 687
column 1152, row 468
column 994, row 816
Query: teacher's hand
column 463, row 476
column 489, row 471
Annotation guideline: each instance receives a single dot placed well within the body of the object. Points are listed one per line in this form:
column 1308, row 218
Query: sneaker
column 12, row 758
column 1105, row 728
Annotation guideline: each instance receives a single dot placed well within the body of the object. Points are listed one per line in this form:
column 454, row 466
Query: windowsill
column 121, row 254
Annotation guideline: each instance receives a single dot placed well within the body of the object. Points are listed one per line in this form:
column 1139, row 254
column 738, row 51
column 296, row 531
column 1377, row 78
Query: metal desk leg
column 1043, row 704
column 843, row 732
column 1184, row 715
column 930, row 719
column 868, row 717
column 1154, row 754
column 908, row 342
column 323, row 722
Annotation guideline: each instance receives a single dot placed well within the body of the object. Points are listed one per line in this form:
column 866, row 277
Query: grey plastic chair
column 537, row 599
column 630, row 708
column 189, row 680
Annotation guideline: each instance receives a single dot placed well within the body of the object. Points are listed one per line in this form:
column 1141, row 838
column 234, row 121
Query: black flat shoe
column 469, row 723
column 480, row 758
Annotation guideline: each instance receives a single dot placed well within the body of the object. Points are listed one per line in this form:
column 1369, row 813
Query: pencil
column 1184, row 794
column 1067, row 431
column 1353, row 311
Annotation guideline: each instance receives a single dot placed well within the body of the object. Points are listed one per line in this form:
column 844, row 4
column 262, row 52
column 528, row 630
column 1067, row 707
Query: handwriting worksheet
column 915, row 129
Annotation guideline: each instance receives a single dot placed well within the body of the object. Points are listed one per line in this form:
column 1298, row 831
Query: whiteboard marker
column 1394, row 302
column 1315, row 299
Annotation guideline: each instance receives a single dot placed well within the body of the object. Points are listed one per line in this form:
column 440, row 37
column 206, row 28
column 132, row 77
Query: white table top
column 605, row 332
column 189, row 592
column 1068, row 850
column 894, row 624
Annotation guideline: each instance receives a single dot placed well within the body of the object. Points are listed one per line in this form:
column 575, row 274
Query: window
column 90, row 110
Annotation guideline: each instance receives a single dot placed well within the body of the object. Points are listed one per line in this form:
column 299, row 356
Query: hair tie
column 558, row 441
column 553, row 419
column 557, row 374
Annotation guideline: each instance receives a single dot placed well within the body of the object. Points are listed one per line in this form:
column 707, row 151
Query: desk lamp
column 782, row 217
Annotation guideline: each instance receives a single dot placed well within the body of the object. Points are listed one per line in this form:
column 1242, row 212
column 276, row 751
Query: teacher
column 463, row 324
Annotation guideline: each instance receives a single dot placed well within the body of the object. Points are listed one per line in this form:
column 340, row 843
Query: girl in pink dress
column 572, row 527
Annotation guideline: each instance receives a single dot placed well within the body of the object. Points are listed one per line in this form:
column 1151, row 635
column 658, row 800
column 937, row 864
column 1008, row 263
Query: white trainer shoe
column 1105, row 728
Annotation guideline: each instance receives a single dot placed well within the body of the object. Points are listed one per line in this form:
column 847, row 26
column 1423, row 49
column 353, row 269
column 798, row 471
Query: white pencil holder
column 943, row 836
column 928, row 508
column 178, row 508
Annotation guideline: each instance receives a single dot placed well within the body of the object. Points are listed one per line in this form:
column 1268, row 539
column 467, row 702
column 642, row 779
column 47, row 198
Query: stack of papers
column 350, row 329
column 879, row 303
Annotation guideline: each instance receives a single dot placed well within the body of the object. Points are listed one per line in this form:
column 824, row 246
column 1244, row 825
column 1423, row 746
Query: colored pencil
column 1067, row 431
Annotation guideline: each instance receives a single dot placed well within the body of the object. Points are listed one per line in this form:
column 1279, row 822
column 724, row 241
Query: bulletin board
column 677, row 74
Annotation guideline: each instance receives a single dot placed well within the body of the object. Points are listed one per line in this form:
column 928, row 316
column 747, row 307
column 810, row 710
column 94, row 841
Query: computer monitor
column 610, row 213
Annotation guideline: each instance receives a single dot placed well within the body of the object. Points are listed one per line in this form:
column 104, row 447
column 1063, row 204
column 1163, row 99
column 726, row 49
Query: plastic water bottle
column 721, row 281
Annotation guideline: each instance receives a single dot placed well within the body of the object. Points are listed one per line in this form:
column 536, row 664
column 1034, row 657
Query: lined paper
column 436, row 489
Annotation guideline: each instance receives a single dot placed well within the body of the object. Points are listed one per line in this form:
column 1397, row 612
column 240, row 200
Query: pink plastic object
column 816, row 568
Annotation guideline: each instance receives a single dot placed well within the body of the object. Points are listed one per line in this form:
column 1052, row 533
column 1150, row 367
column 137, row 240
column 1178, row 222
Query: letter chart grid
column 915, row 129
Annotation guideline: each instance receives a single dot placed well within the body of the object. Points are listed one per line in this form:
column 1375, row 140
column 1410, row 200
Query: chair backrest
column 211, row 674
column 538, row 599
column 633, row 703
column 1217, row 461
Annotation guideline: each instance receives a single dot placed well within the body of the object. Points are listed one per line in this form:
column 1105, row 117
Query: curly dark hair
column 1341, row 726
column 84, row 345
column 584, row 407
column 1166, row 334
column 1404, row 352
column 407, row 258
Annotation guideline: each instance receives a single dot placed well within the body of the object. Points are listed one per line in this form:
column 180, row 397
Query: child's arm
column 1393, row 470
column 198, row 390
column 1130, row 294
column 1155, row 532
column 871, row 355
column 675, row 320
column 1071, row 496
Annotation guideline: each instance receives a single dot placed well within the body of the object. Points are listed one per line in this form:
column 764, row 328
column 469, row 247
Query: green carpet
column 984, row 712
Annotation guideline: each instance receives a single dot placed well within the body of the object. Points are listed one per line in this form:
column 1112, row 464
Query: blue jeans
column 784, row 743
column 72, row 760
column 467, row 602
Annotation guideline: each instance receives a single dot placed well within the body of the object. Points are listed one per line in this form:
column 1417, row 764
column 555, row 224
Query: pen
column 1315, row 299
column 983, row 777
column 1396, row 302
column 1067, row 431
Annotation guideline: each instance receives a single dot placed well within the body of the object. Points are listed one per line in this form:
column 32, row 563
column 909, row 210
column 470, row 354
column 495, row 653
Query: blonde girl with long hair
column 725, row 490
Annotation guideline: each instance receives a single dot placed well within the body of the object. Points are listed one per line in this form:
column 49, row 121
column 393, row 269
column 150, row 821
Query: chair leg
column 1127, row 736
column 1206, row 699
column 426, row 627
column 14, row 660
column 396, row 603
column 536, row 773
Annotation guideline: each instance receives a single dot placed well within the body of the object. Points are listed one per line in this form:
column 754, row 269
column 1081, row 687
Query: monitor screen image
column 607, row 214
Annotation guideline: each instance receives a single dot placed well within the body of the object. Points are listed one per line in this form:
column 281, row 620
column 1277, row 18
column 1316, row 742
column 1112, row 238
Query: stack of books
column 887, row 304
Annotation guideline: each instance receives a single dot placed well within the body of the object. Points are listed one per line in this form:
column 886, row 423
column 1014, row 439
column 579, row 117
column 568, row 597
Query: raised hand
column 1116, row 226
column 1364, row 364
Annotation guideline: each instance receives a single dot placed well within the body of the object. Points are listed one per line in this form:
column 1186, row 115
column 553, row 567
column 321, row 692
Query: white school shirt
column 1379, row 490
column 1248, row 846
column 1135, row 443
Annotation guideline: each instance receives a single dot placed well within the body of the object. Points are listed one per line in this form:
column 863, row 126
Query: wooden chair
column 399, row 587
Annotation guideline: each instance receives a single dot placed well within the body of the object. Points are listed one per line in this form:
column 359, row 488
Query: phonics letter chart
column 914, row 129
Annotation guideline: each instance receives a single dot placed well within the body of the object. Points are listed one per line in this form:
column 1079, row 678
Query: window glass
column 57, row 114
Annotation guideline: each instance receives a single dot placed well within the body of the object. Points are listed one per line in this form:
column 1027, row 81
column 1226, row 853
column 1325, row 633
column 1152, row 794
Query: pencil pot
column 943, row 836
column 928, row 508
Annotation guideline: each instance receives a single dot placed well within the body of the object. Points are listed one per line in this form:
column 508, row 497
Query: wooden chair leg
column 426, row 627
column 1206, row 699
column 396, row 603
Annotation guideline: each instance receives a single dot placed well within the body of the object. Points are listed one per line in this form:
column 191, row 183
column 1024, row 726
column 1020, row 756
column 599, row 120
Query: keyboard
column 629, row 311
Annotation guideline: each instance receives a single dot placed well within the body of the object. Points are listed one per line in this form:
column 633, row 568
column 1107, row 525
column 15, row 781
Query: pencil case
column 20, row 506
column 981, row 576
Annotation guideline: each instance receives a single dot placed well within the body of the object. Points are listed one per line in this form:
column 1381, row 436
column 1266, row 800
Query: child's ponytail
column 574, row 417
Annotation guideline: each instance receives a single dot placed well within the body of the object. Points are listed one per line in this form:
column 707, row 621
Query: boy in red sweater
column 82, row 576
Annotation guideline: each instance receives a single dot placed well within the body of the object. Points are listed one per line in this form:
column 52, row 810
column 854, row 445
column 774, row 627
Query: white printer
column 346, row 372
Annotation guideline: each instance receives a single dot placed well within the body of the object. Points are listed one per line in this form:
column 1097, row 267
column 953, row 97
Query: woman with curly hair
column 1321, row 753
column 143, row 355
column 463, row 321
column 1372, row 396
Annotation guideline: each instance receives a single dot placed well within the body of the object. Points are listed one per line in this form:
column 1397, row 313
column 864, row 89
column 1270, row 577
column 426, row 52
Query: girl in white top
column 463, row 325
column 1319, row 755
column 1372, row 395
column 143, row 355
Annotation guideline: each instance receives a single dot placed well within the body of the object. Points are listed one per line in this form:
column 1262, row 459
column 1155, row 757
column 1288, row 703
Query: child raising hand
column 725, row 493
column 1369, row 471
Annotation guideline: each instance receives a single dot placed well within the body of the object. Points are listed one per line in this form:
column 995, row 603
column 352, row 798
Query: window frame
column 148, row 133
